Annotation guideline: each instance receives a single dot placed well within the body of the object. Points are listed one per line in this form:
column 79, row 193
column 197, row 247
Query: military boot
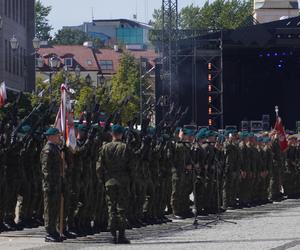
column 114, row 237
column 122, row 239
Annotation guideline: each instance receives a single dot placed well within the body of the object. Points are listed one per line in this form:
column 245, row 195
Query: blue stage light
column 268, row 54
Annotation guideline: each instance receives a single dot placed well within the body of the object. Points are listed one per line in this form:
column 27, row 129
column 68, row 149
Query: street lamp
column 88, row 80
column 36, row 43
column 77, row 72
column 100, row 79
column 14, row 43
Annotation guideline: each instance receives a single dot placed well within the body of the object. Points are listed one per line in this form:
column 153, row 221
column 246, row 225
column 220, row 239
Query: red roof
column 80, row 54
column 111, row 55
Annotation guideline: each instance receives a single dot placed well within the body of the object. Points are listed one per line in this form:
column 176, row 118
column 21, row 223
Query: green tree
column 126, row 82
column 43, row 28
column 68, row 36
column 220, row 14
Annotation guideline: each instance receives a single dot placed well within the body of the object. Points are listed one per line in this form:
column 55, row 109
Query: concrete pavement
column 270, row 227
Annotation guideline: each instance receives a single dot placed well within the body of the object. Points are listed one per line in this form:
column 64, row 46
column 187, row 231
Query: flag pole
column 62, row 169
column 277, row 111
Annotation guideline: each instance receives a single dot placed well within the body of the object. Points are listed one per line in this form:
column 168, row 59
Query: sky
column 75, row 12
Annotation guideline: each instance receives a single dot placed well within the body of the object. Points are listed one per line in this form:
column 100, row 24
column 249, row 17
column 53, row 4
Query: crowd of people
column 117, row 179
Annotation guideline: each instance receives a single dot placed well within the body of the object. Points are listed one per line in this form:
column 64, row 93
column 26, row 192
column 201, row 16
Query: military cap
column 117, row 129
column 177, row 130
column 82, row 127
column 221, row 138
column 201, row 134
column 251, row 134
column 151, row 131
column 243, row 134
column 25, row 129
column 210, row 133
column 188, row 132
column 52, row 131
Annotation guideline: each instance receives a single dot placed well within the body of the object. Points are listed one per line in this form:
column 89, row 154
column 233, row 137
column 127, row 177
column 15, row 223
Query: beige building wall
column 270, row 15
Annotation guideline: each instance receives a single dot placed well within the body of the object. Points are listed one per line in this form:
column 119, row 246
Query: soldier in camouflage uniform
column 182, row 176
column 290, row 171
column 231, row 172
column 114, row 169
column 51, row 167
column 275, row 181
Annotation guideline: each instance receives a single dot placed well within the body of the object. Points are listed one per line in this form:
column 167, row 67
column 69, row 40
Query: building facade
column 70, row 56
column 17, row 67
column 272, row 10
column 131, row 33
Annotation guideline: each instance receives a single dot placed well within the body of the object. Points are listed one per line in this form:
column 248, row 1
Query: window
column 69, row 62
column 9, row 8
column 6, row 55
column 89, row 62
column 17, row 10
column 14, row 9
column 106, row 65
column 6, row 7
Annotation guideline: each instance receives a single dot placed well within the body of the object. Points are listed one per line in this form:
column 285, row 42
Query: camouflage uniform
column 51, row 163
column 113, row 168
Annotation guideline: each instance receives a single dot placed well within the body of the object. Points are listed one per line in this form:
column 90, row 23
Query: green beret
column 177, row 130
column 221, row 138
column 200, row 135
column 188, row 132
column 243, row 134
column 210, row 133
column 82, row 128
column 25, row 129
column 251, row 134
column 52, row 131
column 117, row 129
column 151, row 131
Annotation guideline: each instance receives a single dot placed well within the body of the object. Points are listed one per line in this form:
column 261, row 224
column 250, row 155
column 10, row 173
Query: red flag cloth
column 281, row 134
column 64, row 121
column 3, row 95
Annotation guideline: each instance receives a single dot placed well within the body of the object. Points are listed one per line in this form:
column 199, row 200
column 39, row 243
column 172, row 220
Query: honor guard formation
column 119, row 178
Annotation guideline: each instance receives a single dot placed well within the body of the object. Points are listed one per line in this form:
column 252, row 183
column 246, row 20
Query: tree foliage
column 126, row 82
column 67, row 36
column 220, row 14
column 43, row 28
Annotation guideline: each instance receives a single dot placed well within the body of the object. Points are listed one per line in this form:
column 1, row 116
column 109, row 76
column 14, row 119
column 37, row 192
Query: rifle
column 40, row 122
column 25, row 119
column 115, row 117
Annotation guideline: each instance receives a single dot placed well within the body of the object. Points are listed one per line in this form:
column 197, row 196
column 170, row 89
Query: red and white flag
column 281, row 134
column 3, row 95
column 64, row 121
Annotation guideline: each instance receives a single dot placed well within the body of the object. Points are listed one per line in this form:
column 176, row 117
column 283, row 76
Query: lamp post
column 77, row 72
column 54, row 63
column 88, row 80
column 36, row 42
column 100, row 79
column 14, row 44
